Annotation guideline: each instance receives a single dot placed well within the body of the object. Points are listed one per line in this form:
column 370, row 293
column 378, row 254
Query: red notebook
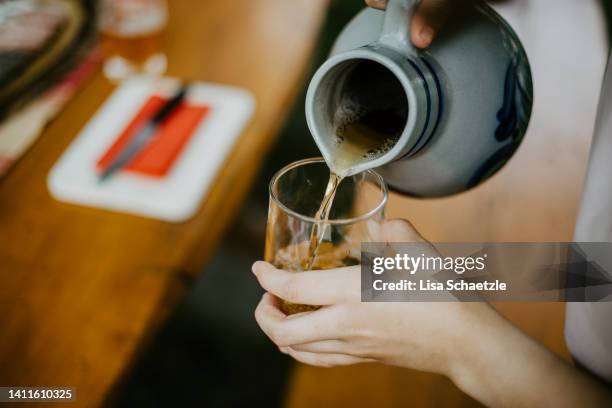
column 163, row 150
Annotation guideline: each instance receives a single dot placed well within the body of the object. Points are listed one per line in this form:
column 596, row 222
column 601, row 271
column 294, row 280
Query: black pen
column 143, row 135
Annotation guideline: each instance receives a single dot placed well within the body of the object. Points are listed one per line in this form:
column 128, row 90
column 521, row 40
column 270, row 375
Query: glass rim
column 340, row 221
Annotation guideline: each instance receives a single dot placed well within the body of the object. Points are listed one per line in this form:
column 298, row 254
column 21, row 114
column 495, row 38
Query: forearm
column 504, row 367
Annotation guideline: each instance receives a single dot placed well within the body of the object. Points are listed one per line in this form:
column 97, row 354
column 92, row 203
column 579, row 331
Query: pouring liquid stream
column 357, row 141
column 317, row 233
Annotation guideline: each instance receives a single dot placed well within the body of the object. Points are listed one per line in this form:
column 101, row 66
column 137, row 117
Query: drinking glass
column 296, row 192
column 131, row 34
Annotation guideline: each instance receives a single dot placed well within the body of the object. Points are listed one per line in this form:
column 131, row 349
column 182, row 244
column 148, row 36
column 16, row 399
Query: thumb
column 428, row 19
column 399, row 230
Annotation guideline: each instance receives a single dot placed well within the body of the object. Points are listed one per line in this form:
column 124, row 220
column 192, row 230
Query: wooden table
column 81, row 289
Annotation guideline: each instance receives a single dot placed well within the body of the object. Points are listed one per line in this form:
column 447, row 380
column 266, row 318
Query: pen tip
column 102, row 178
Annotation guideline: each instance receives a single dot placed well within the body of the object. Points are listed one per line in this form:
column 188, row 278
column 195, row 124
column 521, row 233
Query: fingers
column 429, row 18
column 394, row 230
column 324, row 287
column 324, row 360
column 378, row 4
column 324, row 324
column 326, row 347
column 269, row 317
column 399, row 230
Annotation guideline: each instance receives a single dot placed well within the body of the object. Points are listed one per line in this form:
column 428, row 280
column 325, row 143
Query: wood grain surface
column 82, row 289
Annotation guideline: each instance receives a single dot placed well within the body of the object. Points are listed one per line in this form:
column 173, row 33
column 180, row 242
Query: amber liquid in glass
column 136, row 49
column 361, row 135
column 298, row 258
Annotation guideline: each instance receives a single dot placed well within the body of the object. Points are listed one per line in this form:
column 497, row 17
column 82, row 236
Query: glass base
column 289, row 308
column 117, row 68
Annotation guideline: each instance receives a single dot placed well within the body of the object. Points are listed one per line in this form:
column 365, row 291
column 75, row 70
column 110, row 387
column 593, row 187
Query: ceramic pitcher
column 468, row 96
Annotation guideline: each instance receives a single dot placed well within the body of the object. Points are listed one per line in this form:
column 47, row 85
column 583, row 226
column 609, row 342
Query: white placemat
column 177, row 196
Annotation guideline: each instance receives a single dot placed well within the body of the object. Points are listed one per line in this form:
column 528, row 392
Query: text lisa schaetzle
column 414, row 264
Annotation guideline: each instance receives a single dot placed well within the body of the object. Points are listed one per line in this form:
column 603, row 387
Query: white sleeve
column 588, row 326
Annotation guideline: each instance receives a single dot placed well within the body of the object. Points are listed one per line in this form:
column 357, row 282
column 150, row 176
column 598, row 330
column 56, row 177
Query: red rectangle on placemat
column 158, row 156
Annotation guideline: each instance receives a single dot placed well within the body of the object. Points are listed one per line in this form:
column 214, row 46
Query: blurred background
column 209, row 351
